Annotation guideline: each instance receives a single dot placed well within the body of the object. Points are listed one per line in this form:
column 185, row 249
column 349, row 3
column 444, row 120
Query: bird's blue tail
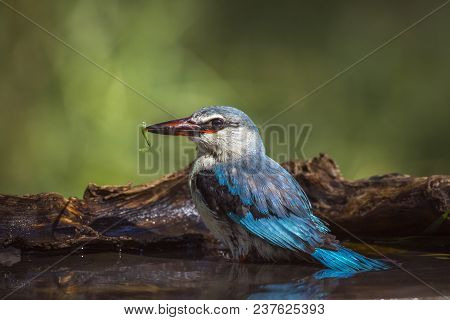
column 347, row 260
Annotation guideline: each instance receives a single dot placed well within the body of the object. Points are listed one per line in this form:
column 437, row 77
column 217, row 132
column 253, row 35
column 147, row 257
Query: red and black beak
column 179, row 127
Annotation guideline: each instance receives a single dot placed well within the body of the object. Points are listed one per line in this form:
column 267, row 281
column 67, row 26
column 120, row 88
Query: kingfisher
column 249, row 202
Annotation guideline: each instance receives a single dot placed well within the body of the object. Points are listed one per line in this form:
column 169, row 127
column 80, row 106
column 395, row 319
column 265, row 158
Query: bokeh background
column 65, row 123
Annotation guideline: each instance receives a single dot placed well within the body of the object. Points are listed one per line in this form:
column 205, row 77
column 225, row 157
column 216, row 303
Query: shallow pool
column 118, row 275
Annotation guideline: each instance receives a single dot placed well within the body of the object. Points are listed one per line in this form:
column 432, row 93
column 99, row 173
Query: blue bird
column 248, row 201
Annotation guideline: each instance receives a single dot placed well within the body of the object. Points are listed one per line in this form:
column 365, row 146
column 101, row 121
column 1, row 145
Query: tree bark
column 160, row 216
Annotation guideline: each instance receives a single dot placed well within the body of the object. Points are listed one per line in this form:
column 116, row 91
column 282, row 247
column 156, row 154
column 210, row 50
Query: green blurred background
column 65, row 123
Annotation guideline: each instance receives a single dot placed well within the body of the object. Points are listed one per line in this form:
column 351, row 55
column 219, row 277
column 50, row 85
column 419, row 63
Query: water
column 120, row 275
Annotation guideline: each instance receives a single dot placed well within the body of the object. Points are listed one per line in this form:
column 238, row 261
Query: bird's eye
column 216, row 123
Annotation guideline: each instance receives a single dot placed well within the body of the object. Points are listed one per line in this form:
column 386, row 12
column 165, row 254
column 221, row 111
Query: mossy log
column 161, row 217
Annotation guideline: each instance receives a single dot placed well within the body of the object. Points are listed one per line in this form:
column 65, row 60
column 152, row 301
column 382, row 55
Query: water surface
column 117, row 275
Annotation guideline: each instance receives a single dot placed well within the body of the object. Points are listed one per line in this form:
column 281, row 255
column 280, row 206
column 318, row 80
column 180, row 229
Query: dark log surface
column 160, row 216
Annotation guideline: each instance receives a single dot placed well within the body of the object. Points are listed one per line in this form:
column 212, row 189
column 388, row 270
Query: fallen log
column 161, row 217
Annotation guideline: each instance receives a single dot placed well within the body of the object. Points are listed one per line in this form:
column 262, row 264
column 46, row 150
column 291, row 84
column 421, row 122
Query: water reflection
column 126, row 276
column 308, row 288
column 313, row 287
column 9, row 256
column 132, row 276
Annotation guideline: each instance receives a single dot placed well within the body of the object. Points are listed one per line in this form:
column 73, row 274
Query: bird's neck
column 231, row 153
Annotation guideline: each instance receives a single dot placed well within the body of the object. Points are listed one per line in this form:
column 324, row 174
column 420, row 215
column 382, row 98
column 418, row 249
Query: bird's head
column 222, row 132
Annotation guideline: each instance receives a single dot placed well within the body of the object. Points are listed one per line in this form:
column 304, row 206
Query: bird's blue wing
column 267, row 201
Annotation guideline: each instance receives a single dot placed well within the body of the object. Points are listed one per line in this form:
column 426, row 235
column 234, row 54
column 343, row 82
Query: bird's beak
column 179, row 127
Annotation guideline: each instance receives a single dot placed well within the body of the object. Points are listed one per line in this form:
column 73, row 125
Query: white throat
column 230, row 144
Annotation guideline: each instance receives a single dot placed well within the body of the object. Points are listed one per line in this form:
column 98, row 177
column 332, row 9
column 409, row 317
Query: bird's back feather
column 263, row 198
